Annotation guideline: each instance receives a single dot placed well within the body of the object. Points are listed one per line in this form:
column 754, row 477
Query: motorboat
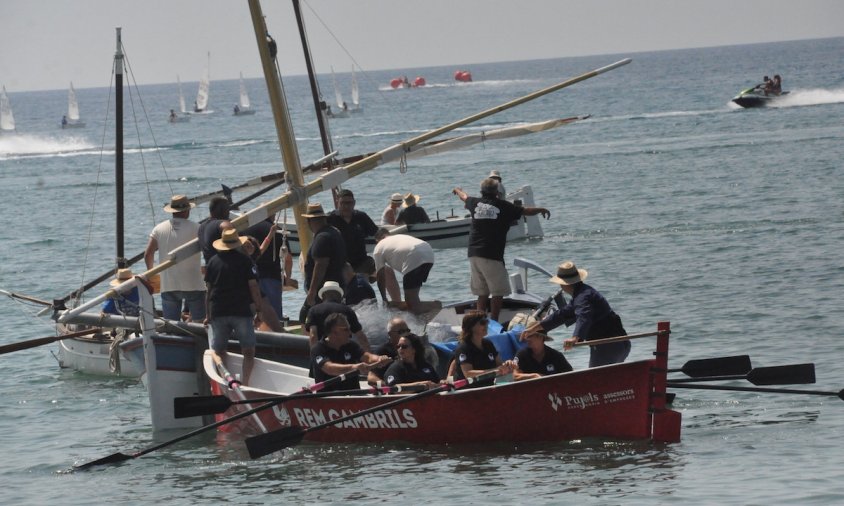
column 757, row 97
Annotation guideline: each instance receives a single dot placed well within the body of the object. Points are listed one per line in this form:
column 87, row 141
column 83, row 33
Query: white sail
column 72, row 104
column 181, row 96
column 244, row 96
column 355, row 92
column 204, row 88
column 7, row 119
column 337, row 95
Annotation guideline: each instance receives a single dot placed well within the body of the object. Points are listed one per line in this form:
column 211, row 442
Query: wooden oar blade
column 265, row 444
column 798, row 374
column 114, row 458
column 186, row 407
column 723, row 366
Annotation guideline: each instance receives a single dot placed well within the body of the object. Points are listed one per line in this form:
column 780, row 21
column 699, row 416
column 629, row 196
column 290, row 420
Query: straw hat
column 178, row 204
column 396, row 197
column 330, row 286
column 495, row 175
column 411, row 199
column 229, row 240
column 568, row 274
column 122, row 275
column 314, row 211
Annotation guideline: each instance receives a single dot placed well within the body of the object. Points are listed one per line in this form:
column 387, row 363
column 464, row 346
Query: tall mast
column 283, row 125
column 118, row 148
column 318, row 103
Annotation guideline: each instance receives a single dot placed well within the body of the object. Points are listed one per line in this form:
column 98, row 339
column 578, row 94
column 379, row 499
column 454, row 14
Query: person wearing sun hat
column 325, row 258
column 331, row 294
column 411, row 212
column 123, row 304
column 232, row 284
column 494, row 174
column 537, row 359
column 182, row 283
column 388, row 217
column 591, row 314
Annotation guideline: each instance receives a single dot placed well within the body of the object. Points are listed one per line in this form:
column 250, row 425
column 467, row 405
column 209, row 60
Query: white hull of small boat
column 92, row 355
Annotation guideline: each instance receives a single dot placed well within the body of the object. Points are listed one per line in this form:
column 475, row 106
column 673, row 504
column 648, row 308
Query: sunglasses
column 403, row 346
column 401, row 331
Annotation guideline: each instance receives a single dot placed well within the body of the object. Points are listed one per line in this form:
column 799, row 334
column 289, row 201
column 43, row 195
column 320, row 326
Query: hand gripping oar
column 264, row 444
column 185, row 407
column 839, row 394
column 32, row 343
column 120, row 457
column 777, row 375
column 722, row 366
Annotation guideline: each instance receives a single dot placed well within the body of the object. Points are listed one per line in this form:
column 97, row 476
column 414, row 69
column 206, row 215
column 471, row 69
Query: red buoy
column 463, row 76
column 419, row 81
column 395, row 83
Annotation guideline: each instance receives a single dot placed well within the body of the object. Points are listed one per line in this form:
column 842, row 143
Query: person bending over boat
column 590, row 312
column 232, row 284
column 476, row 354
column 411, row 367
column 538, row 359
column 396, row 329
column 388, row 217
column 491, row 219
column 337, row 354
column 331, row 293
column 409, row 255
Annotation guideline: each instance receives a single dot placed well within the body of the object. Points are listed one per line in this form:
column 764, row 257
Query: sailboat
column 72, row 119
column 201, row 104
column 7, row 119
column 244, row 106
column 356, row 107
column 342, row 108
column 184, row 117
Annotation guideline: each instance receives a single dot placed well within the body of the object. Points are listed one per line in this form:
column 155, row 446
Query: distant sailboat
column 243, row 107
column 72, row 119
column 7, row 119
column 175, row 118
column 342, row 108
column 355, row 94
column 201, row 104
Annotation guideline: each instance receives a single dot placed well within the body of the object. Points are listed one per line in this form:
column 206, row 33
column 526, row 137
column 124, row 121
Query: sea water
column 726, row 222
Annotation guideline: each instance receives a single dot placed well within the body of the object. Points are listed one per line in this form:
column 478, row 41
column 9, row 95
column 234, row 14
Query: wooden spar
column 283, row 125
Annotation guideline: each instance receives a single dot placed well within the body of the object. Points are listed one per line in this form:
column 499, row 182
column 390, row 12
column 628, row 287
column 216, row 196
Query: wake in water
column 811, row 97
column 30, row 146
column 457, row 84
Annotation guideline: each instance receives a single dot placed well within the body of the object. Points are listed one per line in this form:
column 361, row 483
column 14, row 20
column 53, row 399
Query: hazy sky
column 45, row 44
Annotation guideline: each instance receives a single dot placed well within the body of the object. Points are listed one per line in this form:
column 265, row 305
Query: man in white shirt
column 404, row 253
column 182, row 283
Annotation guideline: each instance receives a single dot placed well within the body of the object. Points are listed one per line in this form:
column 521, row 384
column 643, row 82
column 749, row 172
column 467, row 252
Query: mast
column 283, row 125
column 318, row 103
column 118, row 148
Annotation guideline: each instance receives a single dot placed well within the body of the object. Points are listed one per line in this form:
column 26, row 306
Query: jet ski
column 756, row 97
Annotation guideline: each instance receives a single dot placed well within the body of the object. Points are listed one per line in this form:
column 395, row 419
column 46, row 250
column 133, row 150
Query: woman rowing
column 411, row 367
column 475, row 354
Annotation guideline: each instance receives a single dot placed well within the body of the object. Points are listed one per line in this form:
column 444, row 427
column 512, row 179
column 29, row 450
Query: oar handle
column 34, row 343
column 610, row 340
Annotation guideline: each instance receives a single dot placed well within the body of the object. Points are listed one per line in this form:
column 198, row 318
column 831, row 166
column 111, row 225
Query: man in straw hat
column 537, row 359
column 411, row 212
column 232, row 285
column 123, row 304
column 324, row 259
column 591, row 314
column 331, row 293
column 494, row 174
column 219, row 209
column 181, row 283
column 388, row 217
column 491, row 218
column 355, row 226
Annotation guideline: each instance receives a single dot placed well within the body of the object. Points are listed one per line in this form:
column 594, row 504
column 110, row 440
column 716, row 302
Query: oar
column 777, row 375
column 185, row 407
column 264, row 444
column 32, row 343
column 839, row 394
column 722, row 366
column 114, row 458
column 610, row 340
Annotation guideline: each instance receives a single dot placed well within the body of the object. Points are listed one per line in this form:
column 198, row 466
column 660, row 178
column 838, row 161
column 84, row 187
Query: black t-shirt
column 354, row 233
column 552, row 363
column 491, row 218
column 327, row 243
column 228, row 274
column 412, row 214
column 480, row 359
column 319, row 312
column 399, row 372
column 349, row 353
column 358, row 290
column 209, row 231
column 268, row 267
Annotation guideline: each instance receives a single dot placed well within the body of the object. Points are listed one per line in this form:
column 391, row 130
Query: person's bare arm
column 149, row 253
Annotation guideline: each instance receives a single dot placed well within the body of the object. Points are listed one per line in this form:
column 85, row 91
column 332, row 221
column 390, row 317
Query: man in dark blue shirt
column 325, row 257
column 355, row 226
column 591, row 314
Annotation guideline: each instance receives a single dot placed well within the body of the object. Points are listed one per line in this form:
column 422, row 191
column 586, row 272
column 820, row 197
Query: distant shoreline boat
column 244, row 106
column 175, row 118
column 72, row 119
column 7, row 118
column 200, row 106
